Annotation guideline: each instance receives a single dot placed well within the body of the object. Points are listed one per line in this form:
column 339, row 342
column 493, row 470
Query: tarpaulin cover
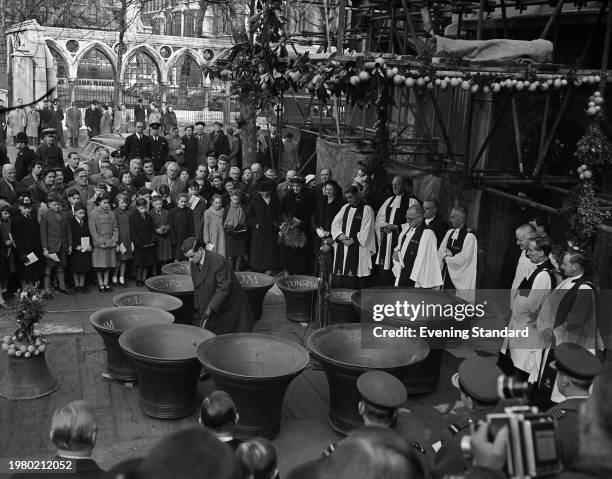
column 501, row 50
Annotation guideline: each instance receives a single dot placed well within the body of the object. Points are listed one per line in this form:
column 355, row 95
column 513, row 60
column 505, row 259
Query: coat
column 23, row 162
column 55, row 232
column 216, row 288
column 79, row 262
column 198, row 216
column 122, row 121
column 123, row 223
column 136, row 148
column 213, row 229
column 26, row 234
column 142, row 233
column 164, row 246
column 262, row 219
column 73, row 122
column 106, row 123
column 17, row 121
column 51, row 156
column 32, row 123
column 191, row 157
column 140, row 114
column 220, row 143
column 298, row 260
column 168, row 120
column 103, row 228
column 204, row 146
column 177, row 187
column 181, row 228
column 159, row 151
column 93, row 116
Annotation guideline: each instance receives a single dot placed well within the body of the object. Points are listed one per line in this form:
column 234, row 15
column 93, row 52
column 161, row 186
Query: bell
column 179, row 286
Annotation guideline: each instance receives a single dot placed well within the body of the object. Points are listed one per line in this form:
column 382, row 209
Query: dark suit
column 51, row 156
column 217, row 288
column 191, row 151
column 159, row 151
column 140, row 115
column 68, row 174
column 439, row 228
column 93, row 117
column 177, row 187
column 11, row 191
column 23, row 162
column 137, row 148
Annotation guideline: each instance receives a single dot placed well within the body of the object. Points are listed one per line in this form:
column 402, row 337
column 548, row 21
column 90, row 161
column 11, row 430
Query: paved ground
column 77, row 357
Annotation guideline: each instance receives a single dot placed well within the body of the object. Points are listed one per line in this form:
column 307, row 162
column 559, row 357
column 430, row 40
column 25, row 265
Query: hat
column 94, row 102
column 200, row 123
column 218, row 123
column 382, row 389
column 155, row 125
column 117, row 154
column 310, row 178
column 297, row 180
column 21, row 137
column 56, row 100
column 24, row 201
column 575, row 361
column 49, row 131
column 477, row 377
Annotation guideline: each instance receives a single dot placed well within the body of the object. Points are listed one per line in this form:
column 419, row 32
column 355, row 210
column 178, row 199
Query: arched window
column 142, row 79
column 189, row 20
column 186, row 84
column 95, row 78
column 62, row 77
column 158, row 26
column 176, row 23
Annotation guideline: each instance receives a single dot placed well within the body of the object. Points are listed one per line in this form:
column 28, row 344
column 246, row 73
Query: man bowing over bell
column 219, row 298
column 415, row 260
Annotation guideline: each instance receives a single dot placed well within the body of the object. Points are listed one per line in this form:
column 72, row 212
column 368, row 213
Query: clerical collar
column 428, row 220
column 574, row 278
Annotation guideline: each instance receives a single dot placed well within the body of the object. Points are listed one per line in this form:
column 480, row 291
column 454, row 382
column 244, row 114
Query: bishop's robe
column 572, row 314
column 532, row 292
column 392, row 212
column 459, row 269
column 417, row 262
column 356, row 222
column 524, row 268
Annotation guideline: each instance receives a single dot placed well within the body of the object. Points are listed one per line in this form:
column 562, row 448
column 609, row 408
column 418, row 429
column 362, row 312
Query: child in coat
column 180, row 220
column 82, row 245
column 142, row 233
column 6, row 250
column 56, row 240
column 124, row 245
column 105, row 235
column 213, row 226
column 162, row 238
column 234, row 225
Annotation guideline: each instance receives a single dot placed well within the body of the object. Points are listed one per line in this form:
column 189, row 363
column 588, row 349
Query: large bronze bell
column 110, row 323
column 167, row 367
column 180, row 268
column 255, row 370
column 255, row 285
column 425, row 376
column 340, row 351
column 300, row 293
column 27, row 378
column 340, row 306
column 165, row 302
column 179, row 286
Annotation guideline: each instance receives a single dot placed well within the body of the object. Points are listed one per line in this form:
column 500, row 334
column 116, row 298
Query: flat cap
column 310, row 178
column 49, row 131
column 382, row 389
column 21, row 137
column 155, row 125
column 575, row 361
column 477, row 377
column 24, row 201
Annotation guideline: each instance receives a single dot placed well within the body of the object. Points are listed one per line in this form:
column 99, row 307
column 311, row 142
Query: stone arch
column 177, row 54
column 149, row 51
column 61, row 52
column 102, row 47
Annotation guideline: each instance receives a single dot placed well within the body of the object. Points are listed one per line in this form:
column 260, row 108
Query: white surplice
column 461, row 268
column 395, row 202
column 426, row 269
column 365, row 237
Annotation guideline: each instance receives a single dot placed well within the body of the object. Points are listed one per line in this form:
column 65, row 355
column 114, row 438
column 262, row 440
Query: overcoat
column 73, row 121
column 217, row 288
column 262, row 220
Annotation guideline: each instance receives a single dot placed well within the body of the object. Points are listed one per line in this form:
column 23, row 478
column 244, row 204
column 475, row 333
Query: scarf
column 235, row 216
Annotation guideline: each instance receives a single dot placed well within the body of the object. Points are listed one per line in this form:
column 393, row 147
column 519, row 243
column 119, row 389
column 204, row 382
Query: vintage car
column 111, row 141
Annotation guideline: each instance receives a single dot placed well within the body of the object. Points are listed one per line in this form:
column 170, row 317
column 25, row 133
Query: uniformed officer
column 477, row 383
column 159, row 146
column 382, row 394
column 576, row 368
column 48, row 152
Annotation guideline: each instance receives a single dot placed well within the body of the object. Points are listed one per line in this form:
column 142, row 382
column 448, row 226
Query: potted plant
column 27, row 375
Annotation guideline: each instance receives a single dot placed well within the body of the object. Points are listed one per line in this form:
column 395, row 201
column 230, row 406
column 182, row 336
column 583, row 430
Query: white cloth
column 395, row 202
column 524, row 268
column 366, row 237
column 461, row 268
column 426, row 269
column 526, row 353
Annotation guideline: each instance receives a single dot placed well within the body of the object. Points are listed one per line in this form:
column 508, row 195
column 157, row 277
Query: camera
column 532, row 445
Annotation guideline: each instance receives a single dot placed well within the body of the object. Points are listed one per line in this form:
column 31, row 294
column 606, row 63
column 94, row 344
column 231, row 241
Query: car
column 111, row 142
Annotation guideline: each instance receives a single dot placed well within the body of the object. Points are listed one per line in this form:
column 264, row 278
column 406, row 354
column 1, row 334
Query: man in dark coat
column 262, row 215
column 220, row 141
column 93, row 117
column 137, row 145
column 219, row 298
column 189, row 145
column 25, row 156
column 57, row 117
column 49, row 153
column 140, row 113
column 204, row 143
column 159, row 147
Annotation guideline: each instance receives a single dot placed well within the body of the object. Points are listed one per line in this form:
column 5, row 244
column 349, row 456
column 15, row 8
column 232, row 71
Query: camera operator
column 576, row 368
column 477, row 383
column 593, row 460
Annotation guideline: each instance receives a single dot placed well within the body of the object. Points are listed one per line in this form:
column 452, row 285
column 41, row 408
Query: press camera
column 532, row 445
